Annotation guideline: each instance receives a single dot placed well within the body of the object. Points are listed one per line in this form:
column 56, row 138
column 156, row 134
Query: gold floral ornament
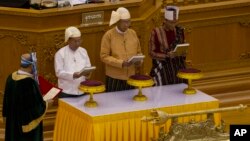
column 140, row 81
column 91, row 87
column 189, row 74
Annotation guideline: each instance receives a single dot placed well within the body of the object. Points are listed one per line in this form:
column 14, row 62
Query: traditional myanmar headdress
column 72, row 32
column 120, row 14
column 171, row 13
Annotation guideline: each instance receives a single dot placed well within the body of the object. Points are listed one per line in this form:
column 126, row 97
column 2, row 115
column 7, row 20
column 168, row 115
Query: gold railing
column 189, row 2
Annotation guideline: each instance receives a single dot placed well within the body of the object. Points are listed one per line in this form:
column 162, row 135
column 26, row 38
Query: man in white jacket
column 69, row 60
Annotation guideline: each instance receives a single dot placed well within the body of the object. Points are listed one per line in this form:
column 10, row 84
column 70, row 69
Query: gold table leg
column 189, row 89
column 91, row 103
column 140, row 96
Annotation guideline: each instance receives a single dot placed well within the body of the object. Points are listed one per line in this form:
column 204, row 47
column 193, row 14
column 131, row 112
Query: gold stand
column 189, row 89
column 91, row 102
column 140, row 84
column 91, row 90
column 140, row 96
column 190, row 74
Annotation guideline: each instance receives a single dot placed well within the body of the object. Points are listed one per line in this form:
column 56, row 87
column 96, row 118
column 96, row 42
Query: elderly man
column 23, row 105
column 118, row 45
column 69, row 60
column 165, row 64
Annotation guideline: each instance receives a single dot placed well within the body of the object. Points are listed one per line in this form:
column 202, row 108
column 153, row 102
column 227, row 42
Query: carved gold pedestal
column 189, row 74
column 140, row 83
column 91, row 90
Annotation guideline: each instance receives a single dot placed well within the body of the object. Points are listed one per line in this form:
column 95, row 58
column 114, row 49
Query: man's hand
column 171, row 54
column 76, row 75
column 138, row 63
column 126, row 64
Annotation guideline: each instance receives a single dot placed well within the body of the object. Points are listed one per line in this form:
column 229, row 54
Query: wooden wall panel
column 43, row 31
column 218, row 34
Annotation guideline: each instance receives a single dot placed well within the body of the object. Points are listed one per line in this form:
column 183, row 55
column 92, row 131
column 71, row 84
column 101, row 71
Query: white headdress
column 120, row 14
column 72, row 32
column 171, row 13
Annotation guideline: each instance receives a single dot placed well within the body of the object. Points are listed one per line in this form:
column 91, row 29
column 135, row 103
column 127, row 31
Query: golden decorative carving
column 22, row 39
column 157, row 19
column 192, row 130
column 187, row 29
column 245, row 23
column 164, row 3
column 245, row 55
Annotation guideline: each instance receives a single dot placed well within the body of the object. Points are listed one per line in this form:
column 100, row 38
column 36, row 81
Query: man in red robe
column 165, row 63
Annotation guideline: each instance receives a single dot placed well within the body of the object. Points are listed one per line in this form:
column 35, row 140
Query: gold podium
column 189, row 74
column 140, row 81
column 91, row 87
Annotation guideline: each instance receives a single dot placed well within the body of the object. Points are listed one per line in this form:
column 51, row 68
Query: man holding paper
column 118, row 45
column 163, row 40
column 23, row 104
column 69, row 63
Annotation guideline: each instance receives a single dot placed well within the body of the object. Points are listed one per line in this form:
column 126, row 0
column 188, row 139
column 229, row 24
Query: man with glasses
column 69, row 61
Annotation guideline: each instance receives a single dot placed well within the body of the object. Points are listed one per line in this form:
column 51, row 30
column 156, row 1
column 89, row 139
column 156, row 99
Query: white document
column 136, row 58
column 87, row 69
column 51, row 93
column 181, row 48
column 76, row 2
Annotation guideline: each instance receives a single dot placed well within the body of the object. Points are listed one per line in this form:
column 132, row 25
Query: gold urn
column 189, row 74
column 91, row 87
column 140, row 81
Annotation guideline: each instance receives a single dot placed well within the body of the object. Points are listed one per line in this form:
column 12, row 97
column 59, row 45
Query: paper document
column 51, row 93
column 136, row 58
column 76, row 2
column 87, row 69
column 181, row 49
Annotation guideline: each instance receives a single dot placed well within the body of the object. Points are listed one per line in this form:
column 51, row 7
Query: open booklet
column 181, row 49
column 136, row 58
column 48, row 90
column 53, row 92
column 87, row 69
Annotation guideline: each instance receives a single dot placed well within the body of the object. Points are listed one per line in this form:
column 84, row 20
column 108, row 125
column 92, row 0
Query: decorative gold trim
column 140, row 83
column 190, row 75
column 34, row 123
column 17, row 77
column 92, row 89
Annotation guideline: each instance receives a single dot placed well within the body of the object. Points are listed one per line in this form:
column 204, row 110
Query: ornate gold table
column 189, row 74
column 140, row 81
column 91, row 87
